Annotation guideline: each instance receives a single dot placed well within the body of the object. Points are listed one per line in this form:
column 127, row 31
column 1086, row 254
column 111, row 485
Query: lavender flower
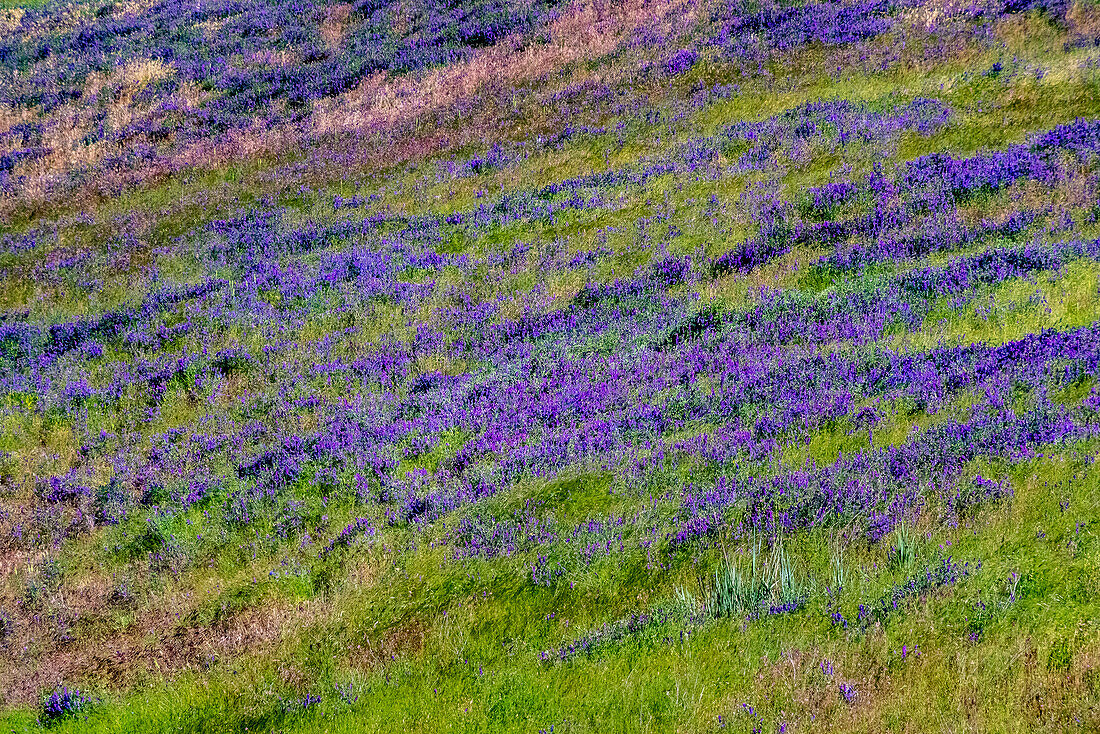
column 65, row 702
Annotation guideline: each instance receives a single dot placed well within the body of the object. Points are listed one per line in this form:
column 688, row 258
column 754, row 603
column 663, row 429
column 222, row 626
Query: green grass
column 465, row 679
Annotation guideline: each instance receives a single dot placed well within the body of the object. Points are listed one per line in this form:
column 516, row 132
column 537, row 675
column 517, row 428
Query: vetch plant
column 64, row 702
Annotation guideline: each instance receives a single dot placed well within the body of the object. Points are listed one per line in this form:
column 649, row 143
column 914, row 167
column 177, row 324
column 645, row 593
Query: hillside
column 522, row 365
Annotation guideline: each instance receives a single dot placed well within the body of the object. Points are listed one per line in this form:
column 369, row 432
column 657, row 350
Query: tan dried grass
column 334, row 26
column 1084, row 19
column 381, row 101
column 155, row 644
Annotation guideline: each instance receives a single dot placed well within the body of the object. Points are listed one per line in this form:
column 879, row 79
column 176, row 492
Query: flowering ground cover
column 680, row 365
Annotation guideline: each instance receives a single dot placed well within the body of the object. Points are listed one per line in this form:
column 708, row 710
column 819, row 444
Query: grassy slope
column 435, row 646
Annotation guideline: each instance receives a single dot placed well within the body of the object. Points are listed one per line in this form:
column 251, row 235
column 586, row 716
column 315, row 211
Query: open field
column 516, row 365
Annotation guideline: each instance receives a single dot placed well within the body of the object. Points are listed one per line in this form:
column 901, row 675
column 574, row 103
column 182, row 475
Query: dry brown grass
column 267, row 57
column 374, row 652
column 64, row 130
column 10, row 19
column 1084, row 20
column 929, row 16
column 386, row 120
column 382, row 101
column 1078, row 190
column 1044, row 696
column 156, row 644
column 1054, row 698
column 398, row 109
column 334, row 25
